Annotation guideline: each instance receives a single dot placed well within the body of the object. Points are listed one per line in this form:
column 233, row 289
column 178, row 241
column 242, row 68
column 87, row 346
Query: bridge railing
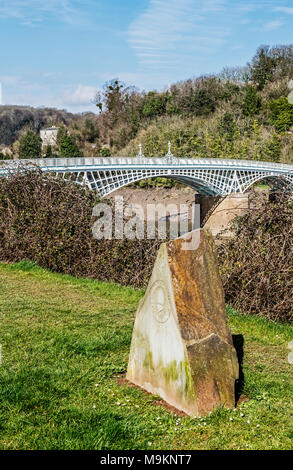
column 143, row 161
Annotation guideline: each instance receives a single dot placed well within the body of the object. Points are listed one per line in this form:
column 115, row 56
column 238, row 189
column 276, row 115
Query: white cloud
column 82, row 96
column 170, row 33
column 271, row 25
column 20, row 84
column 287, row 10
column 29, row 91
column 169, row 30
column 34, row 12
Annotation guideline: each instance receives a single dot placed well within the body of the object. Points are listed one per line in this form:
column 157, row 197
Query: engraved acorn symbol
column 159, row 303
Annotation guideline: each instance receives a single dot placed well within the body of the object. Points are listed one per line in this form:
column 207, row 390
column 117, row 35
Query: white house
column 6, row 151
column 49, row 136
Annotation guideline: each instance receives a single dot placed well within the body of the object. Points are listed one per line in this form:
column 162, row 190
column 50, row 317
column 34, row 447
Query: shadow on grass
column 238, row 342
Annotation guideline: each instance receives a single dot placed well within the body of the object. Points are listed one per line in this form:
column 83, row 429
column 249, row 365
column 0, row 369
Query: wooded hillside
column 14, row 118
column 242, row 113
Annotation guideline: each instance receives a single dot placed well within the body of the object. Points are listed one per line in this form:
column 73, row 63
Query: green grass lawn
column 64, row 341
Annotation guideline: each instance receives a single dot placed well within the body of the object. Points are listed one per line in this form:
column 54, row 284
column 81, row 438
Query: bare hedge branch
column 49, row 221
column 257, row 264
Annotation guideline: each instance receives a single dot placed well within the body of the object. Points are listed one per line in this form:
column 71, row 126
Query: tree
column 200, row 102
column 252, row 102
column 48, row 153
column 111, row 99
column 105, row 152
column 89, row 131
column 30, row 145
column 234, row 74
column 154, row 104
column 262, row 67
column 272, row 149
column 66, row 145
column 282, row 114
column 114, row 100
column 227, row 126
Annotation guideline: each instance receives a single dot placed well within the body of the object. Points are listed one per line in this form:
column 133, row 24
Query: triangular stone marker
column 181, row 346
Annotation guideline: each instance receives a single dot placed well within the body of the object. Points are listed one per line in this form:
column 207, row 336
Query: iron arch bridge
column 215, row 177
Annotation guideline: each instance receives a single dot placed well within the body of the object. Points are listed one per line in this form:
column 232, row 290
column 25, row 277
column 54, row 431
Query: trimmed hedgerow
column 49, row 221
column 257, row 263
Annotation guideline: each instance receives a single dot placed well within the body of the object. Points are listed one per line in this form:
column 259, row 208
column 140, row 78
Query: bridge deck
column 97, row 163
column 206, row 175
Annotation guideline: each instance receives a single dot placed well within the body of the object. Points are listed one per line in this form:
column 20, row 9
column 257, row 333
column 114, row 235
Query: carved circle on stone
column 159, row 301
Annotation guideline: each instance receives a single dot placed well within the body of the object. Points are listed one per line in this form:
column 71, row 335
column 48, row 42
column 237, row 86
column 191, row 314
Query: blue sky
column 59, row 52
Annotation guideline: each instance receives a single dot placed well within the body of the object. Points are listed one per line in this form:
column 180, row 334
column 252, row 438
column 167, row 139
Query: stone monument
column 181, row 346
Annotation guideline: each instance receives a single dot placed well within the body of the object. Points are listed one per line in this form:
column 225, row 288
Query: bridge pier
column 225, row 210
column 207, row 204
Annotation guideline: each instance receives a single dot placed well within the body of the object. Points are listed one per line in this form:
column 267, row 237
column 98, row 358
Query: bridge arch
column 207, row 184
column 116, row 182
column 275, row 180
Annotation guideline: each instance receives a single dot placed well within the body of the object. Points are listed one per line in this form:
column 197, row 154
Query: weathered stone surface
column 232, row 206
column 181, row 347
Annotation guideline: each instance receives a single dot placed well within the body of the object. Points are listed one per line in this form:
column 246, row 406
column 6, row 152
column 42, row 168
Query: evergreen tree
column 227, row 126
column 262, row 67
column 67, row 146
column 252, row 102
column 48, row 152
column 282, row 113
column 30, row 145
column 273, row 149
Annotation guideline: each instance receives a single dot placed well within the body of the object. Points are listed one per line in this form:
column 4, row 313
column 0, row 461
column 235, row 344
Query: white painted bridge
column 208, row 176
